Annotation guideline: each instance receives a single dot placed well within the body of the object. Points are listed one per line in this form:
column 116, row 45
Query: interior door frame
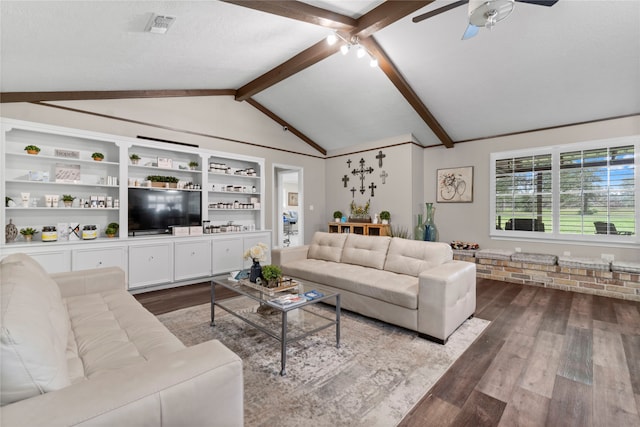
column 277, row 170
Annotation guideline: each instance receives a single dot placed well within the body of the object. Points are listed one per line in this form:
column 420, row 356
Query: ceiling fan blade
column 439, row 10
column 547, row 3
column 471, row 31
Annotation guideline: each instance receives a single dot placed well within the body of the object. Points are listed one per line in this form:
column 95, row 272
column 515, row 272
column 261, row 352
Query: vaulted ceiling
column 574, row 62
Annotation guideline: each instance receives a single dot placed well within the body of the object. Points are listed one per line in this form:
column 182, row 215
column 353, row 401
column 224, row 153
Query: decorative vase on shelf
column 256, row 271
column 419, row 231
column 11, row 232
column 430, row 229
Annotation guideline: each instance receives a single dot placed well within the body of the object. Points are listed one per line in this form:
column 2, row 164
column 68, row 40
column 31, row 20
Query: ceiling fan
column 483, row 13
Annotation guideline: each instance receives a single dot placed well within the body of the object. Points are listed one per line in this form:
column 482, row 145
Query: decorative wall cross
column 362, row 171
column 345, row 179
column 349, row 163
column 353, row 192
column 380, row 156
column 372, row 186
column 383, row 175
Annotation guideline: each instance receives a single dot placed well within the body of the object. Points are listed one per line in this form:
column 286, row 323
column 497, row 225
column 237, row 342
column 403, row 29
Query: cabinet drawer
column 226, row 255
column 53, row 262
column 192, row 259
column 84, row 259
column 150, row 264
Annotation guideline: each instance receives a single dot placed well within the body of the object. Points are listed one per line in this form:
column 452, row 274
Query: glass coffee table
column 295, row 321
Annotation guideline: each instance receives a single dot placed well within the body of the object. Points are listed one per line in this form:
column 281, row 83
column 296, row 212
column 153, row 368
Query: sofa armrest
column 283, row 256
column 200, row 385
column 446, row 298
column 90, row 281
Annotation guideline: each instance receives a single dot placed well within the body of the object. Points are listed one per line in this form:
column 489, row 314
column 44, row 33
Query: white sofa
column 78, row 349
column 409, row 283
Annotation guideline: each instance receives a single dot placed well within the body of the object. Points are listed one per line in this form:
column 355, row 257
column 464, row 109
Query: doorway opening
column 289, row 213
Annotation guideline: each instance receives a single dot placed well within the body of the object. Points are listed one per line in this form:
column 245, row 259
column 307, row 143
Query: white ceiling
column 574, row 62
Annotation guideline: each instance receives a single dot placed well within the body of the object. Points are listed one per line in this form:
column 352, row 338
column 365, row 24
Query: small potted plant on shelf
column 67, row 199
column 271, row 275
column 112, row 229
column 32, row 149
column 193, row 165
column 28, row 233
column 98, row 157
column 163, row 181
column 337, row 216
column 135, row 159
column 385, row 216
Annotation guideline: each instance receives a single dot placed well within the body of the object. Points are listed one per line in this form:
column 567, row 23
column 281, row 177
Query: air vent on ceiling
column 159, row 24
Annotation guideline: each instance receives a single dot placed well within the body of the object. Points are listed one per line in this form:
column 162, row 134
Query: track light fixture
column 354, row 42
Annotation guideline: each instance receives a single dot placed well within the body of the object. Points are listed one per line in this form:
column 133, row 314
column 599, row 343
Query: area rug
column 374, row 379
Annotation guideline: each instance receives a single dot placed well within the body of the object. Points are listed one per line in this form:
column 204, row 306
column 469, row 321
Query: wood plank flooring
column 549, row 358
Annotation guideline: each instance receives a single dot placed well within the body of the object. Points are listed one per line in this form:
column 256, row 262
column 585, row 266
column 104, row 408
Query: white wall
column 470, row 221
column 204, row 121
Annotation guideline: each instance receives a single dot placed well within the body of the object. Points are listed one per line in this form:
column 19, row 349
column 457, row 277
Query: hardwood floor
column 549, row 358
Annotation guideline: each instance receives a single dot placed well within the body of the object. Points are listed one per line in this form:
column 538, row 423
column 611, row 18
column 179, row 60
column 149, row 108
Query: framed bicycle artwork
column 454, row 185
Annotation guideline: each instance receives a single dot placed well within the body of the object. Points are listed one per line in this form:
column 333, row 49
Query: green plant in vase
column 98, row 157
column 112, row 229
column 193, row 165
column 385, row 216
column 32, row 149
column 337, row 216
column 28, row 233
column 67, row 199
column 135, row 159
column 272, row 275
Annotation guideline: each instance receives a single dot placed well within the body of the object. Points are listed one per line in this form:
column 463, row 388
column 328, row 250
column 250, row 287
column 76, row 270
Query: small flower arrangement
column 257, row 253
column 359, row 211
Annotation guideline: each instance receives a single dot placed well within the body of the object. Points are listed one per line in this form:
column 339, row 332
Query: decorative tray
column 287, row 284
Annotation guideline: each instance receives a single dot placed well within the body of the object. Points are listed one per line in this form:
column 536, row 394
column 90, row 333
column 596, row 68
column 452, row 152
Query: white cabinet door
column 226, row 254
column 192, row 259
column 54, row 261
column 150, row 264
column 254, row 239
column 83, row 259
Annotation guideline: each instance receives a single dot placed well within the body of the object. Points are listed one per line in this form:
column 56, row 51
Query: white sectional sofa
column 409, row 283
column 78, row 349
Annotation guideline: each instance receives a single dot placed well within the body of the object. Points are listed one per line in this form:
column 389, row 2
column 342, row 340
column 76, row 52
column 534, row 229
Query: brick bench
column 618, row 279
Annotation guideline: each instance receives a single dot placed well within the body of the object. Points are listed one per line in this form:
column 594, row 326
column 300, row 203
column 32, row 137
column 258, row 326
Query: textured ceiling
column 574, row 62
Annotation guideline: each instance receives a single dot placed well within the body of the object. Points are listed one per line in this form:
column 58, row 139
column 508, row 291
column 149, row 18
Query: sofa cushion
column 397, row 289
column 34, row 331
column 366, row 251
column 327, row 246
column 112, row 330
column 414, row 256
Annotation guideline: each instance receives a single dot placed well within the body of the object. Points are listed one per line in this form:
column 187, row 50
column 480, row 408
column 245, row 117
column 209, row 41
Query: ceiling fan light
column 373, row 63
column 332, row 39
column 361, row 52
column 344, row 49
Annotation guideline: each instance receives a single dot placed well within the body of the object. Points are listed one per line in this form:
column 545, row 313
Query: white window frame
column 555, row 236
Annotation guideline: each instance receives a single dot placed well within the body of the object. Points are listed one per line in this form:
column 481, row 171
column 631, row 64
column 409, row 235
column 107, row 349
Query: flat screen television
column 156, row 211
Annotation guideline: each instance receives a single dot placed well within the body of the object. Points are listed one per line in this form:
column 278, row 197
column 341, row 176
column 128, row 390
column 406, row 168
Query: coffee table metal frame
column 263, row 299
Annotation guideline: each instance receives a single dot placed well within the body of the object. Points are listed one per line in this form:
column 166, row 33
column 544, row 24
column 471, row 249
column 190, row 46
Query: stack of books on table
column 288, row 300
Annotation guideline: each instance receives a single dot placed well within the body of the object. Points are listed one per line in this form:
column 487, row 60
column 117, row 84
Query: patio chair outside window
column 609, row 228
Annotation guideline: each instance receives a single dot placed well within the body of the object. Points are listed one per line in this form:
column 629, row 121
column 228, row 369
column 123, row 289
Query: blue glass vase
column 255, row 272
column 430, row 229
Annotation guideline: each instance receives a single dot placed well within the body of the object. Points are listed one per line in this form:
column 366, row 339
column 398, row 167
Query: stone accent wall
column 606, row 283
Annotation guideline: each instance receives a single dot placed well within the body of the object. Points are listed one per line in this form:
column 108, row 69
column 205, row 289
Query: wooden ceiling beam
column 304, row 59
column 300, row 12
column 109, row 94
column 386, row 14
column 388, row 67
column 285, row 126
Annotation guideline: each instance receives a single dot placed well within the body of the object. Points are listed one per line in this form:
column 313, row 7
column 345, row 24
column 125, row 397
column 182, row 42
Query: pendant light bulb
column 361, row 52
column 344, row 49
column 332, row 39
column 373, row 63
